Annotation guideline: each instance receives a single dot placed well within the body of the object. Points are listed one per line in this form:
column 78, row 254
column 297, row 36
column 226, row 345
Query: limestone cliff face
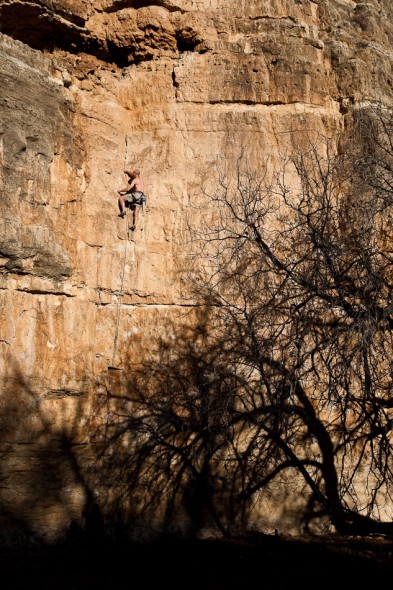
column 88, row 89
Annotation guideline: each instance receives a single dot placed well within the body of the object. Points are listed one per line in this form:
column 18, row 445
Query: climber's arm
column 125, row 190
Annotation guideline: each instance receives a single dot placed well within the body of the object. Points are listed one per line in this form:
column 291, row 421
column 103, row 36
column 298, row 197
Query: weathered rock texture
column 88, row 89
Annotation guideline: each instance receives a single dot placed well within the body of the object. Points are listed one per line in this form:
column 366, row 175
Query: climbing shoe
column 122, row 215
column 132, row 227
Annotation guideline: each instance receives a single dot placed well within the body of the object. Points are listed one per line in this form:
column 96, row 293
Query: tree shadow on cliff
column 162, row 448
column 43, row 487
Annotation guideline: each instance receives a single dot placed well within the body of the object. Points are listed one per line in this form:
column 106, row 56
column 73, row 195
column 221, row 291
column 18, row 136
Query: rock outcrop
column 88, row 89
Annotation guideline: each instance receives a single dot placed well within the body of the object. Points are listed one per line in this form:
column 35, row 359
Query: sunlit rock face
column 87, row 90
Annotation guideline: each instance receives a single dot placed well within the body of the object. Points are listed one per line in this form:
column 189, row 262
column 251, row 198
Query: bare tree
column 282, row 383
column 302, row 275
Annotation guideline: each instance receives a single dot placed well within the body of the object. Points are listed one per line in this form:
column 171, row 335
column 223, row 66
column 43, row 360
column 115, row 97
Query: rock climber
column 133, row 194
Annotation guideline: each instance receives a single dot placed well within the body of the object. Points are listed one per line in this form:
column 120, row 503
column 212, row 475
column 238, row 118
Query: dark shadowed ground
column 260, row 562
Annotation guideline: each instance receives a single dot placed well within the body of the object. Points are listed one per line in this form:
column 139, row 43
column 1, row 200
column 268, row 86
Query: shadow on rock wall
column 173, row 460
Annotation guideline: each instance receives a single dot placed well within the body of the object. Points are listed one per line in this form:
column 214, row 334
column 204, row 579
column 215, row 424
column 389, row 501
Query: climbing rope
column 119, row 296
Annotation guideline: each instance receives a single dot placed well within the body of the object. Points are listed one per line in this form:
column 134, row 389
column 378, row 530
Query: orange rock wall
column 88, row 89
